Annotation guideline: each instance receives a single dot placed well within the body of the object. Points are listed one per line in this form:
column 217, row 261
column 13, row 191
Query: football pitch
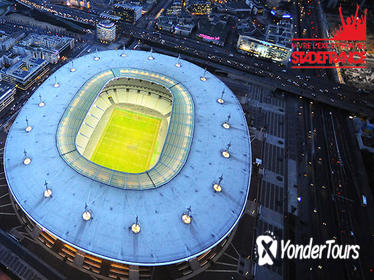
column 128, row 142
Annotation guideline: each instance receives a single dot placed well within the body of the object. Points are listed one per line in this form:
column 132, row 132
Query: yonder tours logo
column 269, row 250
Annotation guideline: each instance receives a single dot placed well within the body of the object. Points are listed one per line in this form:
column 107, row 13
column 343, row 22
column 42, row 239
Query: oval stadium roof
column 163, row 238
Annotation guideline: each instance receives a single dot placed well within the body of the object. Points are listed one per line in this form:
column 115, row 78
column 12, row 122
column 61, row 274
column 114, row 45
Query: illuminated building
column 50, row 48
column 25, row 72
column 175, row 8
column 79, row 4
column 106, row 31
column 128, row 12
column 261, row 48
column 7, row 92
column 199, row 7
column 182, row 213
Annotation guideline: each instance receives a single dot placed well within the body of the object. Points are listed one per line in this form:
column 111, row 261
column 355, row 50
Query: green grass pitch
column 128, row 142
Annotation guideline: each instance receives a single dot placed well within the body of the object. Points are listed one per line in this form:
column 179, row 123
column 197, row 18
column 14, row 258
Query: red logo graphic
column 354, row 29
column 346, row 48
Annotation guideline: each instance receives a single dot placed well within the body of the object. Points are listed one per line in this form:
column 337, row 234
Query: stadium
column 124, row 161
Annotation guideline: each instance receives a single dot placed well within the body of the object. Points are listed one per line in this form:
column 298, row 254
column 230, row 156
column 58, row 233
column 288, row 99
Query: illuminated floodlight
column 135, row 228
column 47, row 191
column 186, row 217
column 226, row 153
column 87, row 213
column 151, row 57
column 96, row 58
column 28, row 127
column 217, row 186
column 27, row 159
column 73, row 69
column 41, row 102
column 220, row 100
column 56, row 84
column 178, row 64
column 203, row 77
column 226, row 124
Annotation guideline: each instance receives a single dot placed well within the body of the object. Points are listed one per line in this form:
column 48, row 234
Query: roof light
column 27, row 159
column 87, row 213
column 150, row 57
column 226, row 125
column 56, row 84
column 203, row 77
column 217, row 186
column 186, row 217
column 226, row 153
column 73, row 69
column 178, row 64
column 28, row 127
column 47, row 191
column 220, row 100
column 41, row 102
column 135, row 228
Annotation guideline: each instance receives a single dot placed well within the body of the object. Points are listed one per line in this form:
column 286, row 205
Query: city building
column 7, row 92
column 7, row 41
column 261, row 38
column 25, row 72
column 175, row 8
column 264, row 49
column 79, row 4
column 199, row 7
column 212, row 30
column 106, row 31
column 180, row 212
column 49, row 48
column 182, row 24
column 128, row 12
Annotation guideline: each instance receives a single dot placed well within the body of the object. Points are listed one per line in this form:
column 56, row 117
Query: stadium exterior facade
column 85, row 213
